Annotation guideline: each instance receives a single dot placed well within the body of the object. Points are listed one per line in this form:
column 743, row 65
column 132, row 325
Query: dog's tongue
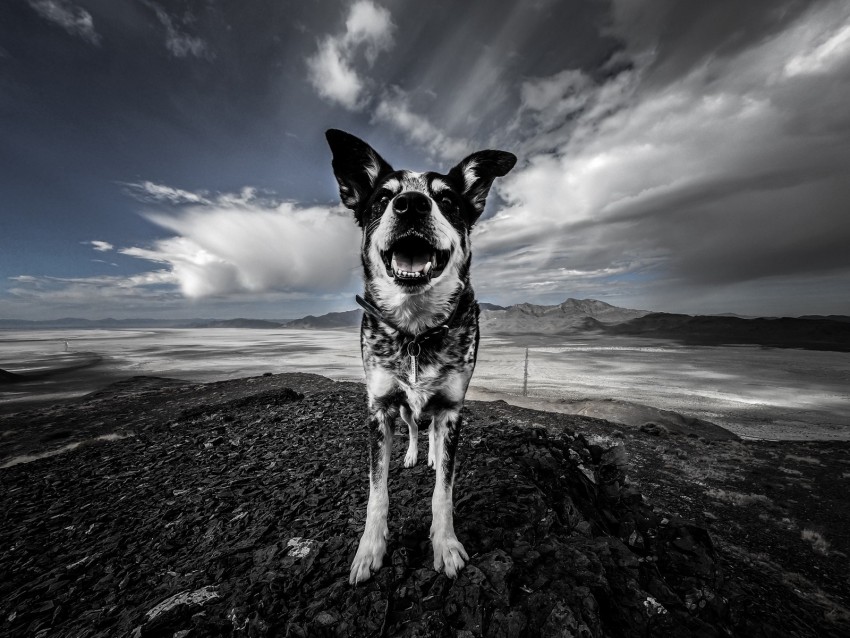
column 411, row 262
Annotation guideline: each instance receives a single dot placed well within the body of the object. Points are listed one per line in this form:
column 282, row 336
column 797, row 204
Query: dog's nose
column 412, row 203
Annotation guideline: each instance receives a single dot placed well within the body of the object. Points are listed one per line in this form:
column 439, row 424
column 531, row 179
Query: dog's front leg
column 373, row 543
column 449, row 554
column 431, row 445
column 413, row 437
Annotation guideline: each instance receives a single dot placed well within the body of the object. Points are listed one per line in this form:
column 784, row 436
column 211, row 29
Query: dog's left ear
column 476, row 173
column 357, row 167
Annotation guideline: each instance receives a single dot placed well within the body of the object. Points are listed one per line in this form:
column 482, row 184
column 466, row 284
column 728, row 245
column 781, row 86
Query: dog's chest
column 442, row 371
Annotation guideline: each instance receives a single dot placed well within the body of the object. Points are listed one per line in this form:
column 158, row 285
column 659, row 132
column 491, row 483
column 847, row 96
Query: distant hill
column 88, row 324
column 236, row 323
column 74, row 323
column 783, row 332
column 569, row 316
column 841, row 318
column 522, row 318
column 589, row 315
column 347, row 319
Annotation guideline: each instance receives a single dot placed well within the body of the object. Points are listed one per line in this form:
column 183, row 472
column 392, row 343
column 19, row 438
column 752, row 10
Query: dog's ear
column 476, row 173
column 357, row 167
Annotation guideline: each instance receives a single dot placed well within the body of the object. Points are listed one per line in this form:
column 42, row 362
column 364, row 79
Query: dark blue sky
column 168, row 158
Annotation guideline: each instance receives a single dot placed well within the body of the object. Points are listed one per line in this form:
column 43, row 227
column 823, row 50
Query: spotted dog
column 419, row 334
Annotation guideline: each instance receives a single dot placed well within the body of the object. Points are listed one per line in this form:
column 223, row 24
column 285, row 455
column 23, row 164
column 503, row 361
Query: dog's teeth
column 427, row 268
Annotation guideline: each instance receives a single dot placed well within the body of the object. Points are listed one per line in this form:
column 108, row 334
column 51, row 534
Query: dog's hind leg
column 413, row 432
column 373, row 542
column 449, row 554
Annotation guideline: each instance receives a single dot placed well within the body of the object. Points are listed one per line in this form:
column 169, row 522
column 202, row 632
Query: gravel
column 234, row 509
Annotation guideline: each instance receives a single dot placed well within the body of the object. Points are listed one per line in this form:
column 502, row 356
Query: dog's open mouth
column 414, row 260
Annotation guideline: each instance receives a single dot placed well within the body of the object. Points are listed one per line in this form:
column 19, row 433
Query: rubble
column 239, row 516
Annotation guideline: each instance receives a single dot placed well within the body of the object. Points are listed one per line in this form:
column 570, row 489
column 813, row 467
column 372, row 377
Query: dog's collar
column 441, row 329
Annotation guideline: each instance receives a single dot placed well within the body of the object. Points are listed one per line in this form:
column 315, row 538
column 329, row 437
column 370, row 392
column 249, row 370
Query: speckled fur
column 368, row 185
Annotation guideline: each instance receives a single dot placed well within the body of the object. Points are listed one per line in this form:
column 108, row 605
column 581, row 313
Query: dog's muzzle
column 413, row 259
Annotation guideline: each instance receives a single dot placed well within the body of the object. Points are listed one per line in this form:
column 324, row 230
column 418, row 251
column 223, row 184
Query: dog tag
column 413, row 351
column 413, row 366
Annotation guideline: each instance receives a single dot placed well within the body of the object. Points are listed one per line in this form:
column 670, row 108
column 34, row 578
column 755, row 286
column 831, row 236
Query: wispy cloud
column 180, row 43
column 148, row 294
column 333, row 76
column 331, row 70
column 153, row 193
column 394, row 109
column 84, row 293
column 75, row 20
column 101, row 246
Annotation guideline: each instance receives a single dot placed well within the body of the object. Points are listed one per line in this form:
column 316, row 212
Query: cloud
column 333, row 76
column 177, row 41
column 73, row 19
column 370, row 26
column 222, row 247
column 150, row 192
column 668, row 39
column 561, row 95
column 724, row 173
column 559, row 110
column 395, row 109
column 241, row 243
column 101, row 246
column 331, row 70
column 823, row 56
column 84, row 293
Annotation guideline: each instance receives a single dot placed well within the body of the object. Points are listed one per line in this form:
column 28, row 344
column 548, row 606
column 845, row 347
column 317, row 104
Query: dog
column 419, row 332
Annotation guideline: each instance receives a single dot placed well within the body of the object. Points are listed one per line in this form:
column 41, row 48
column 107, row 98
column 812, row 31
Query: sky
column 167, row 159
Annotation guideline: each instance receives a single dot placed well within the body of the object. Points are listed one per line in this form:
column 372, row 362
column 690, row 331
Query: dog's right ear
column 357, row 167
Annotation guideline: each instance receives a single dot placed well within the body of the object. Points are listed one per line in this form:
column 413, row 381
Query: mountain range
column 573, row 316
column 569, row 316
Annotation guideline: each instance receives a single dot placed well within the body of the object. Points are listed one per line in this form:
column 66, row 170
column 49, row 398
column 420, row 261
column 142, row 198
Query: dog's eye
column 447, row 202
column 383, row 198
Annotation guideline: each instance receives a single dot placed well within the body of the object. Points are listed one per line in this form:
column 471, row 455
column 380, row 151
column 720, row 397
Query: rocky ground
column 234, row 509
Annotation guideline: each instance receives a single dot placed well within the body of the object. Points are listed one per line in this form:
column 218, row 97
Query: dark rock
column 569, row 535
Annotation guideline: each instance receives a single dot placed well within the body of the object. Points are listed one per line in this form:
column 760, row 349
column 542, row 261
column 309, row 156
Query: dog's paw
column 430, row 459
column 449, row 554
column 411, row 457
column 369, row 557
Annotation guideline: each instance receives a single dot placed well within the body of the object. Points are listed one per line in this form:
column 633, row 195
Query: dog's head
column 415, row 225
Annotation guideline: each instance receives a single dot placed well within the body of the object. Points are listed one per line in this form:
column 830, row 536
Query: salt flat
column 753, row 391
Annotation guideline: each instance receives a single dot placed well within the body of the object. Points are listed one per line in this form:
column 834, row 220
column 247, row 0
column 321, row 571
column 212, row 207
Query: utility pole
column 525, row 376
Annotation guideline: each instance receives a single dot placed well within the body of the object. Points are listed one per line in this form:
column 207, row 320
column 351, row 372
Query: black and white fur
column 408, row 218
